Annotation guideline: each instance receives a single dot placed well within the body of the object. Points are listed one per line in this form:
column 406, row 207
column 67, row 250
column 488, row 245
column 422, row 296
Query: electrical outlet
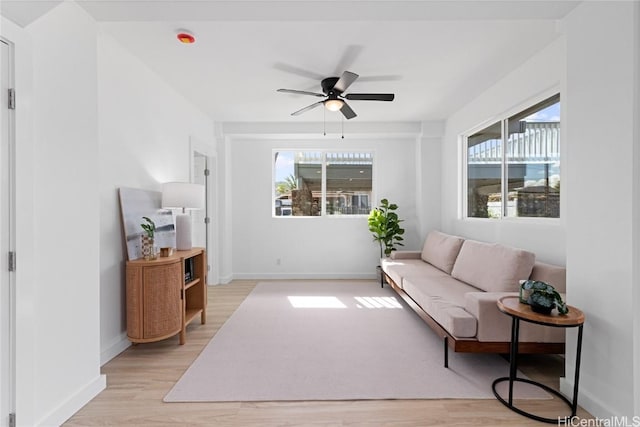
column 278, row 262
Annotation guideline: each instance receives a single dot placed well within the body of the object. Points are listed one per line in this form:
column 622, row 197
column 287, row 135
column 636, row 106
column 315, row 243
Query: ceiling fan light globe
column 333, row 104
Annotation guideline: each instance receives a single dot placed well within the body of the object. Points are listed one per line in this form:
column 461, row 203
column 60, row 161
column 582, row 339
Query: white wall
column 64, row 295
column 319, row 246
column 536, row 79
column 145, row 132
column 90, row 118
column 595, row 69
column 429, row 175
column 602, row 46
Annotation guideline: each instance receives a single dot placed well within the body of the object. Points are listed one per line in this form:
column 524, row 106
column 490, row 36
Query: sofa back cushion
column 492, row 267
column 554, row 275
column 441, row 250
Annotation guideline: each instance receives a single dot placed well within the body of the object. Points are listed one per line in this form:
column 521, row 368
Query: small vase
column 147, row 247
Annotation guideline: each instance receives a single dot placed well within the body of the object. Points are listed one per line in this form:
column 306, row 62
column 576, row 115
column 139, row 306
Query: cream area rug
column 333, row 340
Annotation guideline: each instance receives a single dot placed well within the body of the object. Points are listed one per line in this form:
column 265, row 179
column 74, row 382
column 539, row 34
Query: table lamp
column 183, row 195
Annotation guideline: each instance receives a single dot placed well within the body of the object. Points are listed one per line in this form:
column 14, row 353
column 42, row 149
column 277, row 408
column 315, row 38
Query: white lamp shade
column 333, row 104
column 182, row 195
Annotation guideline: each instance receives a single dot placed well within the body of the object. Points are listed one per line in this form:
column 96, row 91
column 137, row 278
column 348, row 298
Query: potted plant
column 384, row 223
column 542, row 297
column 147, row 239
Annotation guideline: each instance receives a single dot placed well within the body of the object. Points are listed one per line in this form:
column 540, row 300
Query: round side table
column 512, row 306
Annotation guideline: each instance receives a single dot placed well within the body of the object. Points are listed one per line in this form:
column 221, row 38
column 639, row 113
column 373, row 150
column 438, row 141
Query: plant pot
column 542, row 309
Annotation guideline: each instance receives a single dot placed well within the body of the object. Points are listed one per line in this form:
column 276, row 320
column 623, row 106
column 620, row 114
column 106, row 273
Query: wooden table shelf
column 190, row 314
column 191, row 283
column 160, row 304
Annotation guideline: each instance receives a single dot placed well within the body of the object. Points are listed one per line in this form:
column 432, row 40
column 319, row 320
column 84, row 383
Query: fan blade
column 380, row 78
column 301, row 92
column 298, row 71
column 370, row 96
column 347, row 111
column 345, row 81
column 349, row 56
column 307, row 108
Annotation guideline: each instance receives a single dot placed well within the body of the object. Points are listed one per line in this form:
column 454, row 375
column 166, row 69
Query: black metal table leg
column 574, row 406
column 446, row 352
column 513, row 366
column 513, row 355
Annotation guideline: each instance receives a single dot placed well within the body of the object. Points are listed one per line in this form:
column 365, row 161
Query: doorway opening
column 203, row 171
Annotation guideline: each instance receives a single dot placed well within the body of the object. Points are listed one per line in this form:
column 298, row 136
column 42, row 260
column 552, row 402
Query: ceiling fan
column 334, row 88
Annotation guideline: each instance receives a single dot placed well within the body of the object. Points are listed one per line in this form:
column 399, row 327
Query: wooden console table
column 512, row 306
column 165, row 294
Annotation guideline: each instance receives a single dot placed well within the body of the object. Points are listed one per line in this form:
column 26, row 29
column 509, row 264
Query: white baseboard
column 304, row 276
column 586, row 400
column 225, row 279
column 72, row 405
column 115, row 349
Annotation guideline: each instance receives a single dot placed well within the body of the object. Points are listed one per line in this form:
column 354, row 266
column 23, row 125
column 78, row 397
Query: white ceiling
column 434, row 55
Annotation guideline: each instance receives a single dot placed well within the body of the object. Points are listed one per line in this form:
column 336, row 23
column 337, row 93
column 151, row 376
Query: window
column 513, row 166
column 315, row 183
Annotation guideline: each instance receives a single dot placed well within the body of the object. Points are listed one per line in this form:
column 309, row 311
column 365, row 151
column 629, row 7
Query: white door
column 7, row 324
column 199, row 224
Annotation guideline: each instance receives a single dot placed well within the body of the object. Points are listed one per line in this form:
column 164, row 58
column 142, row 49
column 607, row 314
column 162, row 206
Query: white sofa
column 454, row 284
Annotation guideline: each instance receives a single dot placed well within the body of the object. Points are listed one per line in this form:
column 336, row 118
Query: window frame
column 502, row 119
column 323, row 196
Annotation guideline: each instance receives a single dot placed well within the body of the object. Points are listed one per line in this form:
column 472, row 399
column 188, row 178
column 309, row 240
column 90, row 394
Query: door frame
column 8, row 238
column 202, row 148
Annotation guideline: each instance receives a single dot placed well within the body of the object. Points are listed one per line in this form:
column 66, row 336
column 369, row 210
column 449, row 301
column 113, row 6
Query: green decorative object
column 384, row 223
column 149, row 227
column 542, row 297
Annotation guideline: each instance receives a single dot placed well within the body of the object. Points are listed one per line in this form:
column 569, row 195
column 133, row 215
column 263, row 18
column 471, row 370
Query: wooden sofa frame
column 470, row 345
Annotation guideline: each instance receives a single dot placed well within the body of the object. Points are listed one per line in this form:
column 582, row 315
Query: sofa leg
column 446, row 352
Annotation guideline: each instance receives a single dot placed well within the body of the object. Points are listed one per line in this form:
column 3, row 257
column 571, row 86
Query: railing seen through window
column 315, row 183
column 513, row 166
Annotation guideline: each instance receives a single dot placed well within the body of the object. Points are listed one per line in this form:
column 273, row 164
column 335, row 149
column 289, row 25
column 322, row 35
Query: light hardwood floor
column 138, row 379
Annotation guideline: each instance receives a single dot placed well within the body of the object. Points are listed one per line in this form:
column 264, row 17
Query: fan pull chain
column 342, row 127
column 324, row 122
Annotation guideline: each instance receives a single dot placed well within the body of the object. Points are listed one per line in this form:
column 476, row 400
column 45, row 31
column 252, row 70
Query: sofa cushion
column 400, row 268
column 492, row 267
column 441, row 250
column 405, row 255
column 443, row 298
